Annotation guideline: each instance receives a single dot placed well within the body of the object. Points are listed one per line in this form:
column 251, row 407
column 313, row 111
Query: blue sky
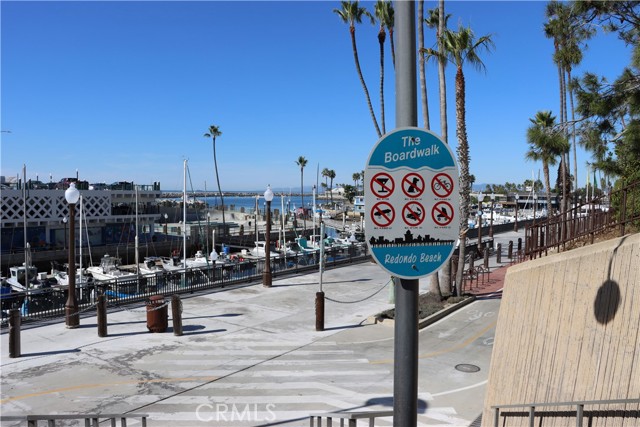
column 124, row 91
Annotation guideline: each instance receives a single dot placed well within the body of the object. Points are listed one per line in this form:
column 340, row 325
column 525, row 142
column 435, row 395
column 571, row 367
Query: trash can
column 157, row 314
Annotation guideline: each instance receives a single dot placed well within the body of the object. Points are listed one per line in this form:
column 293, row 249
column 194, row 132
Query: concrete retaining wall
column 569, row 330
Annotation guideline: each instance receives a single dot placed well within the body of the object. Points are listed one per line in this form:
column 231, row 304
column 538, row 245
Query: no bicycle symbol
column 382, row 185
column 442, row 213
column 382, row 214
column 413, row 185
column 442, row 185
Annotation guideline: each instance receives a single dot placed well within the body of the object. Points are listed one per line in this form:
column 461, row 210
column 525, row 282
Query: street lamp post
column 207, row 233
column 71, row 308
column 266, row 275
column 515, row 227
column 480, row 199
column 166, row 225
column 493, row 199
column 65, row 232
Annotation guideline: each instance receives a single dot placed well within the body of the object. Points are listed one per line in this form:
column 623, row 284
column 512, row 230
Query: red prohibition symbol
column 442, row 213
column 382, row 185
column 382, row 214
column 442, row 185
column 413, row 185
column 413, row 214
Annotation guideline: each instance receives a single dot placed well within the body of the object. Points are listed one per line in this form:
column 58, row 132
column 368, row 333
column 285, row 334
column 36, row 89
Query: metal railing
column 618, row 209
column 90, row 420
column 49, row 303
column 351, row 417
column 579, row 411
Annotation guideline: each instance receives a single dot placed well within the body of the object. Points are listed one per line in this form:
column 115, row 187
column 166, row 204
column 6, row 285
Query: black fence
column 49, row 303
column 619, row 210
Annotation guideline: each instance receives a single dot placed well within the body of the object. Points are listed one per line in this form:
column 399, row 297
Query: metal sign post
column 410, row 212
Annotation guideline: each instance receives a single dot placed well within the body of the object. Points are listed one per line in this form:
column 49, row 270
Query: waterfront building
column 109, row 215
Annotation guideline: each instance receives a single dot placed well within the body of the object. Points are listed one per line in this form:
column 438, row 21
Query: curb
column 422, row 323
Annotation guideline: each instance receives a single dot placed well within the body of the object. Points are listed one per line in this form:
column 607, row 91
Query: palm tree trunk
column 547, row 183
column 364, row 85
column 565, row 156
column 381, row 37
column 441, row 76
column 421, row 63
column 573, row 134
column 393, row 49
column 331, row 191
column 463, row 163
column 446, row 272
column 304, row 211
column 215, row 163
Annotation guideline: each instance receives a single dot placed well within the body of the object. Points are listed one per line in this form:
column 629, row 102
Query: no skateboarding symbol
column 382, row 214
column 382, row 185
column 442, row 213
column 413, row 185
column 442, row 185
column 413, row 214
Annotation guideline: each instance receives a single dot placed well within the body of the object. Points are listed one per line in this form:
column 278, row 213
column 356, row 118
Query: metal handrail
column 579, row 404
column 352, row 417
column 580, row 223
column 90, row 420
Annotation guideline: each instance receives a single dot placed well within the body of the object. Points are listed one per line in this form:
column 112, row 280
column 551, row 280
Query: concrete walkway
column 250, row 356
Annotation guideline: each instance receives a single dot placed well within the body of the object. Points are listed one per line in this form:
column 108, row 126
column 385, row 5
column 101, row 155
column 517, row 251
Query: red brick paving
column 488, row 285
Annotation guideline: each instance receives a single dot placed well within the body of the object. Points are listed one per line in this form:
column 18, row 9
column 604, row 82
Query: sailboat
column 25, row 277
column 200, row 260
column 109, row 268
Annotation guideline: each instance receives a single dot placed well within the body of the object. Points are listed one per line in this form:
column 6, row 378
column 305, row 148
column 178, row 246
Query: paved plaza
column 251, row 356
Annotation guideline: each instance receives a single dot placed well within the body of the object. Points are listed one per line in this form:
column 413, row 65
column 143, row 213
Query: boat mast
column 136, row 237
column 24, row 214
column 184, row 216
column 80, row 264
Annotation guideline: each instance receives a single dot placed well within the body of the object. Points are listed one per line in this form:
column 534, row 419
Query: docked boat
column 27, row 279
column 151, row 265
column 199, row 260
column 109, row 269
column 259, row 250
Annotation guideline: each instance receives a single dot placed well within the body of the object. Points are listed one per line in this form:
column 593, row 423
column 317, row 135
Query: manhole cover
column 465, row 367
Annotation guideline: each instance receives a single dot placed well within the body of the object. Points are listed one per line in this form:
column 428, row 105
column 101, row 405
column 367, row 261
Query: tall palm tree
column 546, row 144
column 214, row 132
column 302, row 162
column 355, row 177
column 383, row 10
column 390, row 24
column 569, row 36
column 332, row 175
column 461, row 48
column 351, row 13
column 325, row 174
column 438, row 19
column 422, row 69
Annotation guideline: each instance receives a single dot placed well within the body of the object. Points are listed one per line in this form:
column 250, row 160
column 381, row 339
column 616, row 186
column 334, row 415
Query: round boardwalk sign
column 411, row 203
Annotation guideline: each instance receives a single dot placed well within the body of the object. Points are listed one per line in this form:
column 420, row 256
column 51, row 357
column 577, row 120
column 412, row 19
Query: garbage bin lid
column 157, row 298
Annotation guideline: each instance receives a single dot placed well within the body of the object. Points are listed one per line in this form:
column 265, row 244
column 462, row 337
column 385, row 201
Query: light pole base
column 266, row 279
column 72, row 318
